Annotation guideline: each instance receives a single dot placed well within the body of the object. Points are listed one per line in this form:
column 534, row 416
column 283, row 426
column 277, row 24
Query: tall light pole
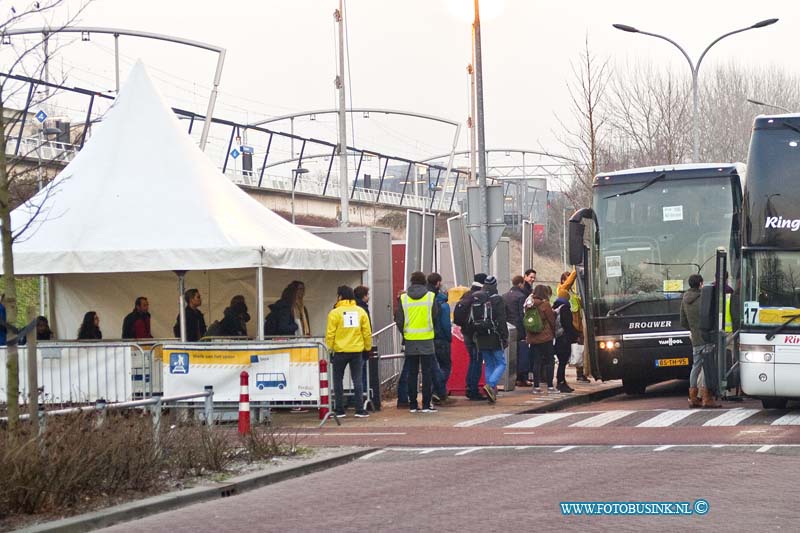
column 344, row 198
column 757, row 102
column 695, row 68
column 296, row 172
column 483, row 193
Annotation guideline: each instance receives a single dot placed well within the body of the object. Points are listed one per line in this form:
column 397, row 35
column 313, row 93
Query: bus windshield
column 651, row 241
column 772, row 288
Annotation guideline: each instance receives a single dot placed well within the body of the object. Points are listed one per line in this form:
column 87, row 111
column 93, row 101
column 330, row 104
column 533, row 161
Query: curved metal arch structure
column 116, row 32
column 357, row 110
column 514, row 150
column 367, row 110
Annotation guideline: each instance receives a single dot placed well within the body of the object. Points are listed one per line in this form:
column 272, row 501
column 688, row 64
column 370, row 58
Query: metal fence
column 388, row 343
column 81, row 372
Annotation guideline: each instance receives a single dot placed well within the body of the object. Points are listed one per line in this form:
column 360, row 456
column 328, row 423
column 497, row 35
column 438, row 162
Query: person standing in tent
column 288, row 316
column 195, row 321
column 90, row 327
column 136, row 324
column 234, row 322
column 300, row 313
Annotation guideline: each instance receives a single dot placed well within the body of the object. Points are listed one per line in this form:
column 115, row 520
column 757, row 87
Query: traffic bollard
column 324, row 395
column 244, row 403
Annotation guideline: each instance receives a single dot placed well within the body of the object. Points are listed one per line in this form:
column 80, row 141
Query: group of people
column 288, row 317
column 551, row 331
column 546, row 332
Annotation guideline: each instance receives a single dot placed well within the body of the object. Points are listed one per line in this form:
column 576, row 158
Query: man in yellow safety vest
column 415, row 317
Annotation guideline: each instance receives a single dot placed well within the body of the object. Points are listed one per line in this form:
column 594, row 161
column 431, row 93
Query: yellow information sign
column 673, row 285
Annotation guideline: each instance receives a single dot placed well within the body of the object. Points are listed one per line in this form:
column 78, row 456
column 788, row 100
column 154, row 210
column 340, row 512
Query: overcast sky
column 412, row 55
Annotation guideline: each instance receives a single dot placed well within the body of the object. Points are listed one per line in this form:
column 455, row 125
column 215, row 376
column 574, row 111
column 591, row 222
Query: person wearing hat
column 492, row 341
column 475, row 360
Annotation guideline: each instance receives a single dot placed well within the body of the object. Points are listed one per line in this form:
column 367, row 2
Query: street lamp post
column 757, row 102
column 296, row 172
column 695, row 68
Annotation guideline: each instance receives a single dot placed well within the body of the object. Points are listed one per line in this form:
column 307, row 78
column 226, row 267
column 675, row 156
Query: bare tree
column 584, row 140
column 727, row 117
column 649, row 118
column 30, row 59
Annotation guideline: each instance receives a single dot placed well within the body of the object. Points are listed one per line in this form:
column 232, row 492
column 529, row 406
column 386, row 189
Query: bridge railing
column 316, row 186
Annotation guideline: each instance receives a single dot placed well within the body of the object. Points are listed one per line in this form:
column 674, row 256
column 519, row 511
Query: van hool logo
column 670, row 342
column 783, row 223
column 648, row 325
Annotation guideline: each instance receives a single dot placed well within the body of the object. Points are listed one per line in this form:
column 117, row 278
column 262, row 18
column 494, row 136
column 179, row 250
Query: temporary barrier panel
column 78, row 372
column 279, row 373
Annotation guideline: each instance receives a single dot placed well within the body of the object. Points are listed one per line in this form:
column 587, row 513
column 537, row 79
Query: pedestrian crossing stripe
column 732, row 417
column 645, row 418
column 666, row 419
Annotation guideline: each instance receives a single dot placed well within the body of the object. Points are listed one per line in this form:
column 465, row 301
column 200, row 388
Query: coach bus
column 769, row 350
column 650, row 228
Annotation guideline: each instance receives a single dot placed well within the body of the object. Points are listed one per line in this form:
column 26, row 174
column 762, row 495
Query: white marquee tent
column 141, row 201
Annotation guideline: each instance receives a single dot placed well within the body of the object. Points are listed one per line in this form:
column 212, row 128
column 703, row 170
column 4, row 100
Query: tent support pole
column 181, row 306
column 260, row 283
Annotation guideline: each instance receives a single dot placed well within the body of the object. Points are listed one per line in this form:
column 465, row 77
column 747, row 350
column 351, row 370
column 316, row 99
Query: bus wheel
column 633, row 387
column 774, row 403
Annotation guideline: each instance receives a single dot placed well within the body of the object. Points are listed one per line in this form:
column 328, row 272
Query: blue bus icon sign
column 271, row 379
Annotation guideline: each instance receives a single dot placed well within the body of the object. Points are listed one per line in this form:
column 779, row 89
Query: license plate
column 679, row 361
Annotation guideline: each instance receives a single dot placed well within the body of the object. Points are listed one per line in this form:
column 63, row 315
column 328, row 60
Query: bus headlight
column 753, row 353
column 609, row 345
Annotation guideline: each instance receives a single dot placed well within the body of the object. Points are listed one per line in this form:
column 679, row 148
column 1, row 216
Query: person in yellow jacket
column 565, row 290
column 348, row 335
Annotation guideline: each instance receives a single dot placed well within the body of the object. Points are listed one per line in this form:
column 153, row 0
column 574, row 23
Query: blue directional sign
column 246, row 149
column 41, row 116
column 235, row 153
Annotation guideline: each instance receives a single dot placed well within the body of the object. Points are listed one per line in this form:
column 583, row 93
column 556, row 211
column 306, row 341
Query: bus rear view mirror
column 576, row 242
column 576, row 228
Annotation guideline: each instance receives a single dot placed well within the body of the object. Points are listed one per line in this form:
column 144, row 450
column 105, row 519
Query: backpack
column 461, row 311
column 481, row 315
column 533, row 322
column 559, row 324
column 214, row 330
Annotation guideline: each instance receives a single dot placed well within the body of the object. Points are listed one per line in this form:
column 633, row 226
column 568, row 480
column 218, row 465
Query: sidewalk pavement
column 459, row 409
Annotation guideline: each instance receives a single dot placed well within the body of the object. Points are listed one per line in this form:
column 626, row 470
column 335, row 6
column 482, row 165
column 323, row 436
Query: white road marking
column 468, row 450
column 372, row 454
column 601, row 420
column 731, row 417
column 481, row 420
column 788, row 420
column 666, row 419
column 662, row 448
column 564, row 449
column 539, row 420
column 763, row 449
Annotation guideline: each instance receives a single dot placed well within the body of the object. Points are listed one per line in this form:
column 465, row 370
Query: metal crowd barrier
column 155, row 405
column 80, row 372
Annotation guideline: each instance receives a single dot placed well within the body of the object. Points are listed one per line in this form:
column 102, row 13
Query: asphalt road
column 511, row 489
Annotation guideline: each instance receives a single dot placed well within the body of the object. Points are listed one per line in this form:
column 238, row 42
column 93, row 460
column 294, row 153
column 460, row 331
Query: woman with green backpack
column 540, row 327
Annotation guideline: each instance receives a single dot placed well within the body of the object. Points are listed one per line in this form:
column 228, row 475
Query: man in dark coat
column 514, row 299
column 195, row 321
column 492, row 343
column 136, row 324
column 690, row 319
